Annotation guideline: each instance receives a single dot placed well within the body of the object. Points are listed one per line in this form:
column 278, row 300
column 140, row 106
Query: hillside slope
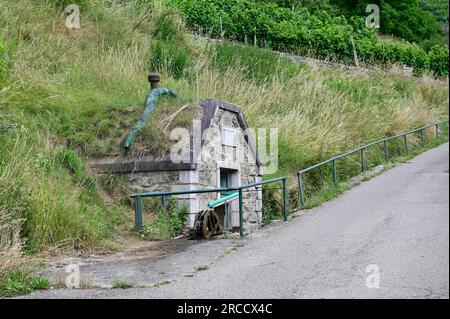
column 70, row 95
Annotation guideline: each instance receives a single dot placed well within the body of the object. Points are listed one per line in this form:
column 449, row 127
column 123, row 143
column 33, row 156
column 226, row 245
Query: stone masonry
column 226, row 147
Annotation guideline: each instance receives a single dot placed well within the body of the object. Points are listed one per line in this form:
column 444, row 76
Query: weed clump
column 18, row 282
column 167, row 223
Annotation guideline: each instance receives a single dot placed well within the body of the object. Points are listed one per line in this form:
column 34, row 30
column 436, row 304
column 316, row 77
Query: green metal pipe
column 138, row 213
column 164, row 203
column 405, row 137
column 150, row 103
column 197, row 191
column 269, row 181
column 223, row 200
column 208, row 190
column 361, row 158
column 241, row 213
column 334, row 173
column 386, row 154
column 300, row 189
column 285, row 210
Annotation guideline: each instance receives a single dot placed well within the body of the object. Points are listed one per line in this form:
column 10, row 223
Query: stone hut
column 219, row 152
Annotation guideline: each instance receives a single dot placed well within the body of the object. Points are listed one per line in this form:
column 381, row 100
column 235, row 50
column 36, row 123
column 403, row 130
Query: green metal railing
column 223, row 200
column 361, row 150
column 240, row 190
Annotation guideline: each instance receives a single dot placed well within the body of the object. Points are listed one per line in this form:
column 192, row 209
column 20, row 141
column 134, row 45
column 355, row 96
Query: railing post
column 300, row 189
column 422, row 137
column 405, row 137
column 285, row 212
column 437, row 130
column 164, row 203
column 138, row 213
column 241, row 213
column 334, row 172
column 386, row 155
column 361, row 158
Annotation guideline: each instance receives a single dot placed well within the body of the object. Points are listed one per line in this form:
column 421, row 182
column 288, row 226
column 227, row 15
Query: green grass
column 168, row 223
column 122, row 284
column 256, row 64
column 18, row 282
column 201, row 268
column 69, row 96
column 36, row 180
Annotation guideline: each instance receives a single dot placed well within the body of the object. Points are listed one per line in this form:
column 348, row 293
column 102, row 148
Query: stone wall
column 140, row 182
column 239, row 160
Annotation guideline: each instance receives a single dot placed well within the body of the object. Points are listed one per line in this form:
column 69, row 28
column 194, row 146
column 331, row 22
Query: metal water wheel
column 211, row 224
column 207, row 224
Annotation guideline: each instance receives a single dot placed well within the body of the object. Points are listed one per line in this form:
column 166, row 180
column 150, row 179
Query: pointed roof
column 209, row 108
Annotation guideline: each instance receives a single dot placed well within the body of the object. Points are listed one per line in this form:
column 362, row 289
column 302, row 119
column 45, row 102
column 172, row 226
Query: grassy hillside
column 70, row 95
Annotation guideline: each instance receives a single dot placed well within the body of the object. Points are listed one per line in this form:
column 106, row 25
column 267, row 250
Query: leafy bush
column 408, row 19
column 439, row 60
column 280, row 28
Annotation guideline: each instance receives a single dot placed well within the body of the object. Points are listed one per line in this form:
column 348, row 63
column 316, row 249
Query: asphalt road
column 386, row 238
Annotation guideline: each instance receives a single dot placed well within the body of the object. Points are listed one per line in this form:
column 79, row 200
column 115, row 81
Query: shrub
column 439, row 60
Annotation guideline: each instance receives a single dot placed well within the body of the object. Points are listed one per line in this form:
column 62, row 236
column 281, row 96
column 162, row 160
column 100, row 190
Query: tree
column 407, row 20
column 404, row 19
